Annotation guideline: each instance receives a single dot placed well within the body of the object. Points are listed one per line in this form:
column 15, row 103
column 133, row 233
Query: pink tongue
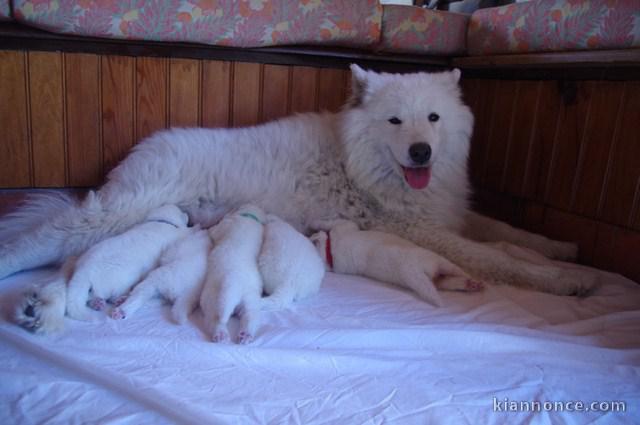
column 418, row 178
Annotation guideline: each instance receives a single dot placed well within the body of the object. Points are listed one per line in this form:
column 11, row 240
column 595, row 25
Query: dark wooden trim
column 14, row 36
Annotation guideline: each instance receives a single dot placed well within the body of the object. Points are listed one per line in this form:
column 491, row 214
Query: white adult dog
column 233, row 283
column 178, row 278
column 395, row 159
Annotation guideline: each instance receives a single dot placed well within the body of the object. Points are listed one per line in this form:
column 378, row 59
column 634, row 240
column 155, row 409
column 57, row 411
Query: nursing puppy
column 178, row 278
column 109, row 269
column 290, row 267
column 388, row 258
column 233, row 283
column 393, row 160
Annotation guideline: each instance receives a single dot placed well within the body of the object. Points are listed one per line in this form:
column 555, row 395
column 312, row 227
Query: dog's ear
column 358, row 85
column 455, row 75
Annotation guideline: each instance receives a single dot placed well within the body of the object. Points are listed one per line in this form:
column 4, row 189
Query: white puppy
column 233, row 282
column 178, row 277
column 389, row 258
column 109, row 269
column 291, row 268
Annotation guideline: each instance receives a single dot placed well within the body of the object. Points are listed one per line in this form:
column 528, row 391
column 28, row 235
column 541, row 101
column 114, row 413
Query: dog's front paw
column 574, row 282
column 97, row 304
column 27, row 313
column 457, row 283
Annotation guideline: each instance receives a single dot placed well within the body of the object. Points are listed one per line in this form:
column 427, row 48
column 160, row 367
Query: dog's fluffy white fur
column 390, row 259
column 290, row 267
column 233, row 283
column 110, row 268
column 357, row 164
column 178, row 278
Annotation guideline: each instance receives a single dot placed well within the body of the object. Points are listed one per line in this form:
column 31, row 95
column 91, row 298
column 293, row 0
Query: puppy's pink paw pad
column 244, row 337
column 117, row 314
column 97, row 304
column 220, row 336
column 474, row 285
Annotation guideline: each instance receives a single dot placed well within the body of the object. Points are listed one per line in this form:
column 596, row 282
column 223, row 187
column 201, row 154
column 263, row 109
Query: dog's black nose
column 420, row 153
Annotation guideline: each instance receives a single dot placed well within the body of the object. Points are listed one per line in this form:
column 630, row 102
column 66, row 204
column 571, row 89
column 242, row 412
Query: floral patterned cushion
column 416, row 30
column 555, row 25
column 5, row 10
column 240, row 23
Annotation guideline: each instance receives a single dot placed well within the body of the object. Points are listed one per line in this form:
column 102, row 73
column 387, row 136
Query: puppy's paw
column 457, row 283
column 117, row 314
column 474, row 286
column 574, row 282
column 97, row 304
column 245, row 337
column 220, row 336
column 27, row 313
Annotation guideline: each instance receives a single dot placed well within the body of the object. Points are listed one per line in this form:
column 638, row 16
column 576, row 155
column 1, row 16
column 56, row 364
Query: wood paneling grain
column 184, row 92
column 482, row 109
column 216, row 94
column 15, row 155
column 118, row 112
column 624, row 171
column 246, row 94
column 331, row 90
column 502, row 119
column 540, row 149
column 574, row 116
column 596, row 151
column 616, row 250
column 47, row 117
column 523, row 130
column 304, row 87
column 84, row 148
column 151, row 96
column 275, row 96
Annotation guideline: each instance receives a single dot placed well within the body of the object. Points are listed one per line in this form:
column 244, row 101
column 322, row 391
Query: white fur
column 312, row 167
column 178, row 278
column 233, row 282
column 110, row 268
column 391, row 259
column 290, row 267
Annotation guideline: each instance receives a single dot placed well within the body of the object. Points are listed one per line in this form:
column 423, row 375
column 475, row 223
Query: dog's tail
column 42, row 308
column 281, row 298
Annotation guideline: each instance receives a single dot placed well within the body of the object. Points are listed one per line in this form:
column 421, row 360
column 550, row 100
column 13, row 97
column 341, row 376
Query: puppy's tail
column 42, row 309
column 280, row 299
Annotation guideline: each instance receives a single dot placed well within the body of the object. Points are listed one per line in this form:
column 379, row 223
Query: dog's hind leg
column 185, row 303
column 485, row 229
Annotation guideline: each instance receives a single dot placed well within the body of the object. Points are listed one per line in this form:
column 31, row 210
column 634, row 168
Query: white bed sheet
column 358, row 352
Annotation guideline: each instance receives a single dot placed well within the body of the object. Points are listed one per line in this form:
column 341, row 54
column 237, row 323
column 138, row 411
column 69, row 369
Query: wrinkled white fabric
column 358, row 352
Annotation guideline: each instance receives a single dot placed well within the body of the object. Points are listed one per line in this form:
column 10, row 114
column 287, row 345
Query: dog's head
column 405, row 128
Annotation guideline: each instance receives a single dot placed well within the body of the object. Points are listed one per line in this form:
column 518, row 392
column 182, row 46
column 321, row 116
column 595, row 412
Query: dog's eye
column 433, row 117
column 395, row 120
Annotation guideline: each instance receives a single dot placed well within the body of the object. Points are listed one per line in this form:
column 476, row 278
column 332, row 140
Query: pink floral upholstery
column 555, row 25
column 240, row 23
column 416, row 30
column 5, row 10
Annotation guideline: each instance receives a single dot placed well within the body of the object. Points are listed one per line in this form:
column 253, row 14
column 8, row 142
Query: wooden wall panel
column 14, row 121
column 82, row 83
column 624, row 172
column 502, row 122
column 331, row 89
column 246, row 94
column 574, row 116
column 304, row 86
column 216, row 93
column 47, row 113
column 118, row 108
column 151, row 96
column 482, row 109
column 184, row 92
column 275, row 96
column 596, row 151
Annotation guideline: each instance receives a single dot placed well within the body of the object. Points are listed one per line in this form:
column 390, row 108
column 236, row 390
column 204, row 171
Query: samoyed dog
column 394, row 159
